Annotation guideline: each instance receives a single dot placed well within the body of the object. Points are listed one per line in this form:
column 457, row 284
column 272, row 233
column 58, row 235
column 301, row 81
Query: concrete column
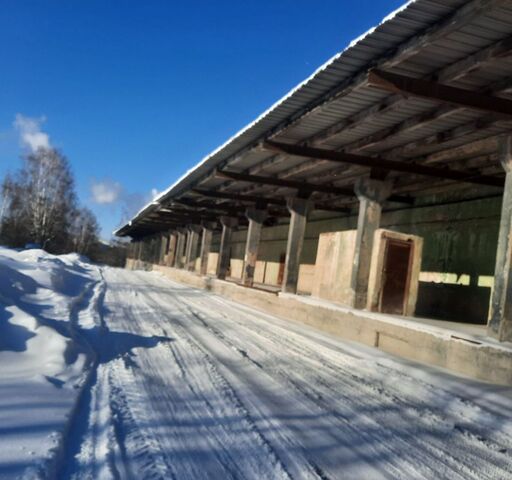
column 256, row 217
column 187, row 248
column 138, row 253
column 180, row 249
column 145, row 249
column 206, row 246
column 141, row 250
column 500, row 318
column 371, row 194
column 151, row 250
column 163, row 249
column 171, row 252
column 155, row 254
column 299, row 209
column 192, row 247
column 228, row 224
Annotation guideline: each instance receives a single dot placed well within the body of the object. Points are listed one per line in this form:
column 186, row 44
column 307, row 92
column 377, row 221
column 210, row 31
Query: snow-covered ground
column 160, row 380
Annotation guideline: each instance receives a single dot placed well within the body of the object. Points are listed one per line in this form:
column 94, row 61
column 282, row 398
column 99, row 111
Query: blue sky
column 136, row 92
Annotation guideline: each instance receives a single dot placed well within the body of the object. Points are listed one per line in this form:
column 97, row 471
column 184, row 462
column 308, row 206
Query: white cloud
column 30, row 132
column 106, row 192
column 154, row 193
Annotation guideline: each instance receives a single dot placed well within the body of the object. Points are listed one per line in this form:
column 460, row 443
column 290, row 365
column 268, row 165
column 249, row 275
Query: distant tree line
column 39, row 206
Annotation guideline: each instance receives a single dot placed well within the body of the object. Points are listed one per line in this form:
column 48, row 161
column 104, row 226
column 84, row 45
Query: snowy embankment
column 42, row 364
column 184, row 384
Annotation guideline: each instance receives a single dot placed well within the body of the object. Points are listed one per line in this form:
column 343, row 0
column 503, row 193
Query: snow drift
column 41, row 360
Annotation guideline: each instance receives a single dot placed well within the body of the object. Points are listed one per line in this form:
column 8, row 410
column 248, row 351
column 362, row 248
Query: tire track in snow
column 461, row 446
column 373, row 386
column 286, row 439
column 232, row 381
column 217, row 437
column 460, row 465
column 86, row 455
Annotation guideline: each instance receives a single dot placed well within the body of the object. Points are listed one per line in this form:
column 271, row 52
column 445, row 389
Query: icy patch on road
column 41, row 363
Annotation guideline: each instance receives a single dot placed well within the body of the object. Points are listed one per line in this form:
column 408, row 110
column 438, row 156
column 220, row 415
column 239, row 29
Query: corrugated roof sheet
column 325, row 97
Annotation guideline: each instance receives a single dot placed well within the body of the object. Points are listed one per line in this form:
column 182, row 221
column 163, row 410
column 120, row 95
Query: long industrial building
column 373, row 201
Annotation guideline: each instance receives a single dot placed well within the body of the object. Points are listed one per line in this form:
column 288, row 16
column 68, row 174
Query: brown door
column 396, row 274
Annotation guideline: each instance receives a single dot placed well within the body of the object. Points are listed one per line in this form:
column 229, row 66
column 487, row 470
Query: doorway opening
column 398, row 255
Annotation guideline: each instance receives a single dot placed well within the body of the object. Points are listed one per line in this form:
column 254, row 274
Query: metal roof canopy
column 420, row 99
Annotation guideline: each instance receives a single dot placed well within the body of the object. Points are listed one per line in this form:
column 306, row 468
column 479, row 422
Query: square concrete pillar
column 256, row 218
column 151, row 250
column 206, row 246
column 192, row 247
column 146, row 256
column 180, row 249
column 371, row 194
column 299, row 209
column 500, row 318
column 171, row 252
column 155, row 250
column 228, row 224
column 163, row 248
column 138, row 254
column 187, row 248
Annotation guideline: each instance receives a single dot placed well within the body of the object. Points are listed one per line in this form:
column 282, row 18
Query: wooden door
column 396, row 276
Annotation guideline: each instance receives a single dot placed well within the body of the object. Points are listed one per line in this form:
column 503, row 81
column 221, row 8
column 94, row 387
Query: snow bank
column 41, row 361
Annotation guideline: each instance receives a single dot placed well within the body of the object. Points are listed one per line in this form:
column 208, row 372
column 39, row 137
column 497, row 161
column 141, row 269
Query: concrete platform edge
column 453, row 352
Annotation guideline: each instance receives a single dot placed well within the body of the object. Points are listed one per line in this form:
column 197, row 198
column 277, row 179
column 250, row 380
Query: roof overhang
column 420, row 99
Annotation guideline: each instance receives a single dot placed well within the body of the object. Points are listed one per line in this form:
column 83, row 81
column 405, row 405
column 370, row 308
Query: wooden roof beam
column 461, row 68
column 395, row 83
column 382, row 163
column 238, row 197
column 298, row 185
column 412, row 123
column 208, row 206
column 292, row 184
column 465, row 66
column 263, row 200
column 394, row 56
column 234, row 209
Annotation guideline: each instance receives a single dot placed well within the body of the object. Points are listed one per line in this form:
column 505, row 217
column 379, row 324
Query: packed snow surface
column 112, row 374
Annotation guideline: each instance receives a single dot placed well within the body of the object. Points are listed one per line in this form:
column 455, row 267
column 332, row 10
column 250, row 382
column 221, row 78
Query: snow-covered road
column 188, row 385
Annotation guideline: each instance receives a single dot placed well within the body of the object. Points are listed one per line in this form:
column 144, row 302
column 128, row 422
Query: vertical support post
column 228, row 224
column 152, row 255
column 144, row 250
column 299, row 209
column 180, row 248
column 171, row 252
column 163, row 249
column 192, row 248
column 206, row 246
column 187, row 248
column 500, row 318
column 256, row 217
column 155, row 249
column 138, row 257
column 371, row 194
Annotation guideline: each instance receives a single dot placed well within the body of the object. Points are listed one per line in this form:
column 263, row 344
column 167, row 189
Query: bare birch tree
column 39, row 206
column 51, row 201
column 84, row 231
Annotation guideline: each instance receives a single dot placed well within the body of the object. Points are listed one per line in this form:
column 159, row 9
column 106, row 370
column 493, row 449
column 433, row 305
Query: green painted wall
column 460, row 239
